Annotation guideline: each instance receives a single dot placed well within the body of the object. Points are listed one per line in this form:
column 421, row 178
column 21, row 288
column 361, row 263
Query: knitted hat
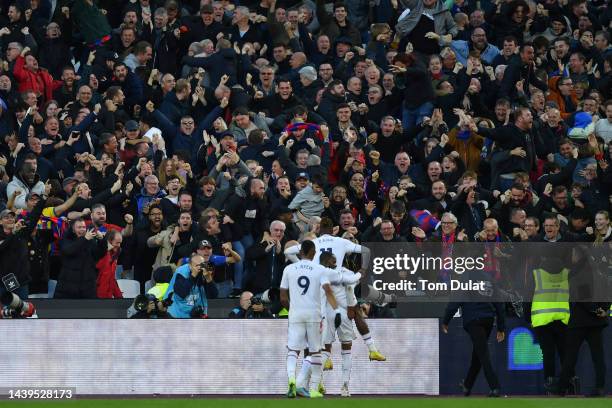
column 583, row 126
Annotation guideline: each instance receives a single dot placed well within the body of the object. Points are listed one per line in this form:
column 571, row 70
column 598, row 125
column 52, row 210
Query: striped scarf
column 57, row 225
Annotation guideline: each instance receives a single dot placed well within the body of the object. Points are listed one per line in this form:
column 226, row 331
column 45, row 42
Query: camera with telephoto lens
column 14, row 307
column 141, row 303
column 269, row 296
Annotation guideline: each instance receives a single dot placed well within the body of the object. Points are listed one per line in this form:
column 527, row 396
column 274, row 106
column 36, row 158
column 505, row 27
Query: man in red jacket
column 106, row 285
column 32, row 78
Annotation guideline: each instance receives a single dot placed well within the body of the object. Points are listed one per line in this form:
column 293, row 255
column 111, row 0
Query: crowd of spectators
column 138, row 133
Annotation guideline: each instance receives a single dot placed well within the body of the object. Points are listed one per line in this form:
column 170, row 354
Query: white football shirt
column 337, row 246
column 304, row 280
column 338, row 279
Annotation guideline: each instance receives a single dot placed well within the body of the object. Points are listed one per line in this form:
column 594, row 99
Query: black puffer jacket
column 14, row 256
column 77, row 278
column 417, row 86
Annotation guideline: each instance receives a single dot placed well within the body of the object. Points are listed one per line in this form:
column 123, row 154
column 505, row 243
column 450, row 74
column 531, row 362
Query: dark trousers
column 552, row 342
column 71, row 290
column 574, row 339
column 479, row 331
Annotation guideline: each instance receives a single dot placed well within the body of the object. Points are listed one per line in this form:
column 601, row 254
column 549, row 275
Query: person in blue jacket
column 190, row 288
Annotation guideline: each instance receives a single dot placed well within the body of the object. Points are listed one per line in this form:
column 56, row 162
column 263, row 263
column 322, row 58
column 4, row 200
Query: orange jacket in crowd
column 469, row 150
column 555, row 96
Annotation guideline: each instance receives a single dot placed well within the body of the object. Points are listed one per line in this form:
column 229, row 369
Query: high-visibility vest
column 550, row 297
column 159, row 290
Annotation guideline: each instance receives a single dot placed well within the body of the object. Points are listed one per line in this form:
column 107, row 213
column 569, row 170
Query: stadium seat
column 51, row 288
column 148, row 285
column 129, row 288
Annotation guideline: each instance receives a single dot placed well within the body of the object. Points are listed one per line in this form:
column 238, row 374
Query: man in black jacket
column 249, row 212
column 81, row 249
column 14, row 236
column 478, row 318
column 281, row 102
column 521, row 69
column 470, row 212
column 588, row 319
column 515, row 145
column 203, row 27
column 269, row 259
column 144, row 256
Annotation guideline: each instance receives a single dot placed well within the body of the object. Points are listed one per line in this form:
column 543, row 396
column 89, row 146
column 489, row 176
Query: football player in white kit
column 327, row 242
column 343, row 281
column 300, row 292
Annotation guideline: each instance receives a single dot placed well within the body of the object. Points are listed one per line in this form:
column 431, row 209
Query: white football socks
column 317, row 369
column 367, row 338
column 292, row 357
column 304, row 376
column 347, row 362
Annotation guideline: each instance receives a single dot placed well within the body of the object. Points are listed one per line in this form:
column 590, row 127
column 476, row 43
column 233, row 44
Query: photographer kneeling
column 190, row 288
column 148, row 307
column 251, row 307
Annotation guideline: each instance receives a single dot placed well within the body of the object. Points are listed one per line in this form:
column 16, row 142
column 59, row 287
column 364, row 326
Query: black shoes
column 597, row 393
column 465, row 390
column 494, row 393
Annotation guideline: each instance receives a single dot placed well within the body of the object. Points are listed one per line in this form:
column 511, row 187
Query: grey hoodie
column 308, row 202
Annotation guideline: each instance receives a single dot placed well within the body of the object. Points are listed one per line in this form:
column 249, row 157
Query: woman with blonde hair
column 167, row 168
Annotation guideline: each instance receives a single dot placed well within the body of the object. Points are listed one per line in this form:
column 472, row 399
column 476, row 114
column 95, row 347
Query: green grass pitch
column 355, row 402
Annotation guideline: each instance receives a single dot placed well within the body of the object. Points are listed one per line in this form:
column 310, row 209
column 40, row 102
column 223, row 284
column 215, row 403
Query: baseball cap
column 204, row 244
column 69, row 180
column 227, row 133
column 303, row 175
column 361, row 159
column 6, row 212
column 32, row 194
column 131, row 125
column 206, row 9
